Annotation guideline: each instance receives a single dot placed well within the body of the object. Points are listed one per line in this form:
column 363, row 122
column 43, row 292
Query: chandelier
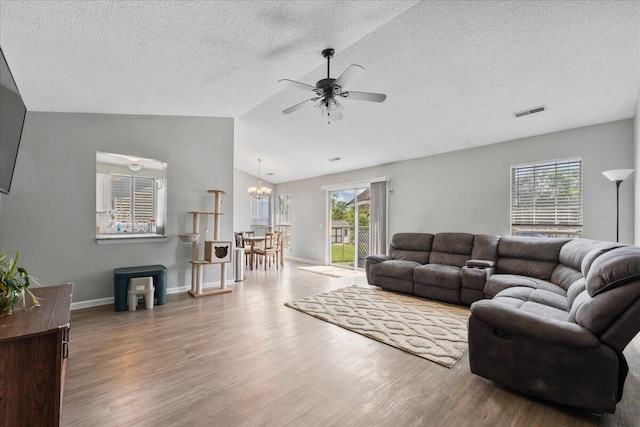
column 259, row 192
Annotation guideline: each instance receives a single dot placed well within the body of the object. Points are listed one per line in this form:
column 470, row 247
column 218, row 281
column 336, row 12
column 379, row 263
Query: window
column 133, row 202
column 546, row 198
column 284, row 203
column 283, row 219
column 259, row 211
column 131, row 198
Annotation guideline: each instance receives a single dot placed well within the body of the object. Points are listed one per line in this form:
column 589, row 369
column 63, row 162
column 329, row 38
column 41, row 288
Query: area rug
column 329, row 270
column 431, row 330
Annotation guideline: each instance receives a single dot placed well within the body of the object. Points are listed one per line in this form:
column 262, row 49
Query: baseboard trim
column 306, row 261
column 110, row 300
column 91, row 303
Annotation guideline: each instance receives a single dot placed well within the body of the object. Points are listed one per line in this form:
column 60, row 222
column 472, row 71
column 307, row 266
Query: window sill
column 109, row 239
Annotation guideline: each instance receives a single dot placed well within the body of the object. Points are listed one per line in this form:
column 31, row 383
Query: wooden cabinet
column 33, row 355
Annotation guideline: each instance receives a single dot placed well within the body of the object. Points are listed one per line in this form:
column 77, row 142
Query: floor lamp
column 617, row 176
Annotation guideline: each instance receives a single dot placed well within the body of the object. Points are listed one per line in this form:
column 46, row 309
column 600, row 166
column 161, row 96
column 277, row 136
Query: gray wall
column 636, row 138
column 468, row 190
column 50, row 213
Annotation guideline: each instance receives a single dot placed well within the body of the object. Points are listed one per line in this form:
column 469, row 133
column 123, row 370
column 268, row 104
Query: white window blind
column 284, row 202
column 259, row 210
column 133, row 201
column 546, row 199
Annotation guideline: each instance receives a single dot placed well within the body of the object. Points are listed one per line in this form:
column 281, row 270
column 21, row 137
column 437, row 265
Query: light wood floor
column 244, row 358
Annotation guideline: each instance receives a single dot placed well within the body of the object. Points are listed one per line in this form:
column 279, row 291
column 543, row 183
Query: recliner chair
column 564, row 349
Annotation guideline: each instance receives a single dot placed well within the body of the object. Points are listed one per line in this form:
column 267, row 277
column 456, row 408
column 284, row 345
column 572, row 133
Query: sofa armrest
column 376, row 258
column 479, row 263
column 373, row 260
column 509, row 320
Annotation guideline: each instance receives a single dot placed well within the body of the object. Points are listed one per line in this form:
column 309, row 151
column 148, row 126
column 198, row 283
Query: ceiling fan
column 328, row 90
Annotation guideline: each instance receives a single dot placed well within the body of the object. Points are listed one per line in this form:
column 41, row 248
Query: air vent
column 530, row 111
column 335, row 159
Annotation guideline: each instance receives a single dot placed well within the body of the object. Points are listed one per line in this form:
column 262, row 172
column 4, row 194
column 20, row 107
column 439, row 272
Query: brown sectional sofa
column 549, row 317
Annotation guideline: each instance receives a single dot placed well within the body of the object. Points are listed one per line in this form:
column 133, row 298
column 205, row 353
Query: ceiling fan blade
column 297, row 85
column 299, row 106
column 349, row 75
column 364, row 96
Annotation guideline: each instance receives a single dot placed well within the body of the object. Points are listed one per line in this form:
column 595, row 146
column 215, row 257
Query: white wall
column 50, row 213
column 636, row 139
column 468, row 190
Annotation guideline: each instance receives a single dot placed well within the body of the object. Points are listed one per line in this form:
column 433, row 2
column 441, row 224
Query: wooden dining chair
column 280, row 249
column 269, row 251
column 240, row 243
column 237, row 236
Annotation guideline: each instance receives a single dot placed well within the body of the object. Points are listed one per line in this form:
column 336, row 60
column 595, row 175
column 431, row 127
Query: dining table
column 252, row 244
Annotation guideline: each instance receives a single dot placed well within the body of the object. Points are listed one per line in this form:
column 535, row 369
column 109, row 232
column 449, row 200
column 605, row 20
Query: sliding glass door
column 349, row 212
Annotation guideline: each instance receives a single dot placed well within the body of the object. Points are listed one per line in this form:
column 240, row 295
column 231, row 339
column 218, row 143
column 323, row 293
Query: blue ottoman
column 121, row 278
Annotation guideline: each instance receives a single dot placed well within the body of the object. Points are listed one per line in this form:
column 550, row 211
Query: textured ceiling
column 453, row 72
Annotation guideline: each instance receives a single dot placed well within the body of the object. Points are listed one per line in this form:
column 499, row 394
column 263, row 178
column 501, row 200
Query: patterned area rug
column 431, row 330
column 329, row 270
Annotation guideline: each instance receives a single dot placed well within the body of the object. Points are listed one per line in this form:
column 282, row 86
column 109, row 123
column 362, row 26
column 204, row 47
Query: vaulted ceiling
column 453, row 72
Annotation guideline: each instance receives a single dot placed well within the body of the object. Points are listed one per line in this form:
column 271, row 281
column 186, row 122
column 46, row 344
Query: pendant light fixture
column 259, row 192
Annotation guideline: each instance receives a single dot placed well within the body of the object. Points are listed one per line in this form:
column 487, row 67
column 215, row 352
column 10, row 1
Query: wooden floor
column 244, row 358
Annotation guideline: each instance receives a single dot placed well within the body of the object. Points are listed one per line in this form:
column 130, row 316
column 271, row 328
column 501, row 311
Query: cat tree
column 215, row 251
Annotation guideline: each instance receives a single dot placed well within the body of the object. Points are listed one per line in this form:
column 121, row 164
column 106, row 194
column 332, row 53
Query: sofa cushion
column 537, row 302
column 531, row 256
column 539, row 296
column 576, row 289
column 514, row 297
column 588, row 260
column 550, row 299
column 572, row 256
column 580, row 299
column 485, row 246
column 399, row 269
column 499, row 282
column 613, row 269
column 451, row 249
column 441, row 276
column 411, row 247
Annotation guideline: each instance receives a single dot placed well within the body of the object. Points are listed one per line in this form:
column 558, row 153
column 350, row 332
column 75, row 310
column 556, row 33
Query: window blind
column 546, row 198
column 143, row 202
column 132, row 196
column 259, row 211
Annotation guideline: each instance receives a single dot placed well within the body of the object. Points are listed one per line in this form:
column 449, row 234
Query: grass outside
column 342, row 254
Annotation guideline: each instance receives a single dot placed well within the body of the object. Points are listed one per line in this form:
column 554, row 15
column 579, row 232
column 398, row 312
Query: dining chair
column 240, row 243
column 280, row 249
column 237, row 236
column 269, row 252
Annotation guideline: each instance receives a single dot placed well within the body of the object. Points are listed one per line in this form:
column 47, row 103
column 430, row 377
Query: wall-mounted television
column 12, row 115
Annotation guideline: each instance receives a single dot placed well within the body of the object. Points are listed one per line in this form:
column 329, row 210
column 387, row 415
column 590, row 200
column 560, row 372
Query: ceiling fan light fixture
column 333, row 105
column 326, row 90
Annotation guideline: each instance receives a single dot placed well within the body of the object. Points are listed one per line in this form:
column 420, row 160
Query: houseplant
column 14, row 284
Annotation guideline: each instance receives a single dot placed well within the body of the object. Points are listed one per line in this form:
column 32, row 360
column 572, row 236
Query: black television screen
column 12, row 114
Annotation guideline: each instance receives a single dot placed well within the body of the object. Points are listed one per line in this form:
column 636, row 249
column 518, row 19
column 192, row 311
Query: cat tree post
column 215, row 251
column 216, row 232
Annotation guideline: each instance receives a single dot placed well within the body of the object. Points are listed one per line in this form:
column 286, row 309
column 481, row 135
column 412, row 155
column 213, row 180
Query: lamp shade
column 618, row 174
